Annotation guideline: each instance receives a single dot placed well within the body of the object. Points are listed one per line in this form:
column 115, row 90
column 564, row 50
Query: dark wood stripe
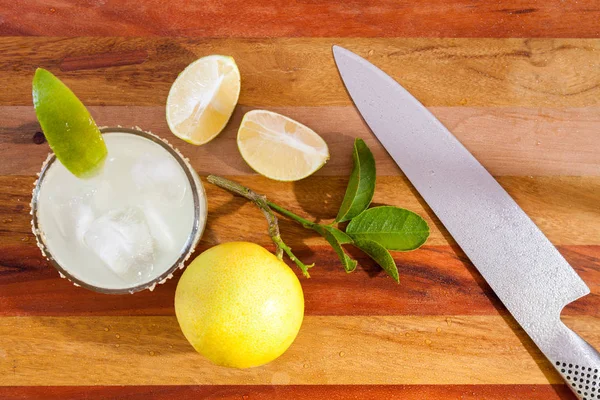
column 300, row 392
column 435, row 280
column 277, row 18
column 103, row 60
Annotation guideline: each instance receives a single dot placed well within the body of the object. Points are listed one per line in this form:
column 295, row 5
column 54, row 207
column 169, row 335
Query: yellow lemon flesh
column 279, row 147
column 202, row 99
column 239, row 305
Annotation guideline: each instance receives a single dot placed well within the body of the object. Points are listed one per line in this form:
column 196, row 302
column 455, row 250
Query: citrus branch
column 262, row 203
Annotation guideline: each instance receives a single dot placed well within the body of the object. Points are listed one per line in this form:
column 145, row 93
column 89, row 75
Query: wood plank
column 436, row 279
column 433, row 281
column 565, row 208
column 268, row 18
column 301, row 72
column 296, row 392
column 508, row 141
column 329, row 350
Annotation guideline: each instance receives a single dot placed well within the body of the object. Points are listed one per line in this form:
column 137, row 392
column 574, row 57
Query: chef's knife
column 520, row 264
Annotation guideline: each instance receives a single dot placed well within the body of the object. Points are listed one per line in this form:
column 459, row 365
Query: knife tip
column 338, row 50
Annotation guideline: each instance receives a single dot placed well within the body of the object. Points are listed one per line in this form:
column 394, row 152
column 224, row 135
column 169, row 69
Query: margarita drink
column 127, row 227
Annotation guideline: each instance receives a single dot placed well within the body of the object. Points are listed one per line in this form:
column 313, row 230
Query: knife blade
column 520, row 264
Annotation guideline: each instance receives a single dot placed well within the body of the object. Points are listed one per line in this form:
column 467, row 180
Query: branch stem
column 304, row 222
column 265, row 206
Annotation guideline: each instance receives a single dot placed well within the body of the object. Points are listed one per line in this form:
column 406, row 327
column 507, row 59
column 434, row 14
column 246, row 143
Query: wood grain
column 301, row 72
column 433, row 281
column 342, row 351
column 436, row 279
column 268, row 18
column 565, row 208
column 508, row 141
column 296, row 392
column 520, row 88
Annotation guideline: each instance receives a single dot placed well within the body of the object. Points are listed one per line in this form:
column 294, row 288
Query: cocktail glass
column 130, row 227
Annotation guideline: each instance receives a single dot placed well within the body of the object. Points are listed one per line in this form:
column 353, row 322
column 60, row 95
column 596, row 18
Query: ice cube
column 121, row 239
column 73, row 216
column 109, row 195
column 160, row 177
column 159, row 228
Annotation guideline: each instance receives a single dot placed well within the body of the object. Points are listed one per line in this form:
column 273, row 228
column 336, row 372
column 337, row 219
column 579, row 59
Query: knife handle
column 578, row 363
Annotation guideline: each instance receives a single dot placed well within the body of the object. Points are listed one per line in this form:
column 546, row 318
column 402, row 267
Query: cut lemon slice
column 279, row 147
column 202, row 99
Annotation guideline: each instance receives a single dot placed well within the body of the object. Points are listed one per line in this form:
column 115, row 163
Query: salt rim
column 159, row 280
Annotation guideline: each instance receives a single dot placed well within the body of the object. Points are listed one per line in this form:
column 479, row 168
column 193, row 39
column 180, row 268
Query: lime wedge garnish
column 68, row 126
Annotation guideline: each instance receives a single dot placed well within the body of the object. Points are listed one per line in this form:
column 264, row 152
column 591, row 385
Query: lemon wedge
column 279, row 147
column 202, row 99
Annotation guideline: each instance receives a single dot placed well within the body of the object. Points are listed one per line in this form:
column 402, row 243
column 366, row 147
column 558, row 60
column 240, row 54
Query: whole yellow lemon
column 239, row 305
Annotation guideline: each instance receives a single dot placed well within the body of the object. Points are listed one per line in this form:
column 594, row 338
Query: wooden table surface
column 518, row 82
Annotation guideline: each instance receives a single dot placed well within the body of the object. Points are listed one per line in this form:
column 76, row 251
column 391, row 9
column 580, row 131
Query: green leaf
column 336, row 238
column 339, row 235
column 361, row 185
column 380, row 255
column 392, row 227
